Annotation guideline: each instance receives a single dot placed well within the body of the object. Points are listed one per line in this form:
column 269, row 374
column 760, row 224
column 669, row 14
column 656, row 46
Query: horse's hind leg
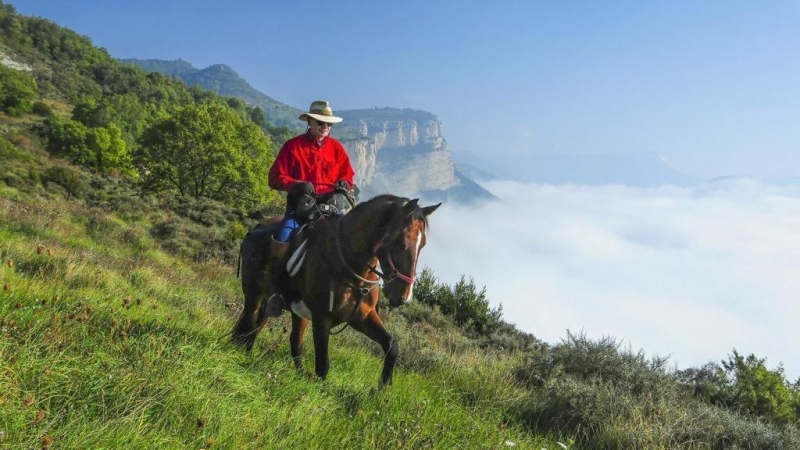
column 299, row 325
column 372, row 327
column 255, row 283
column 252, row 318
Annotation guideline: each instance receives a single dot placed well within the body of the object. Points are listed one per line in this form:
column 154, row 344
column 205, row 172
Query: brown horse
column 333, row 276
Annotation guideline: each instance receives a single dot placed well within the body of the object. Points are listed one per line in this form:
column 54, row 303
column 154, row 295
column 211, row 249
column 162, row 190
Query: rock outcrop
column 404, row 152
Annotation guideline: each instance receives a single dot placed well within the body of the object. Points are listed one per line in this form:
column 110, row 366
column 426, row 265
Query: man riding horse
column 310, row 168
column 342, row 262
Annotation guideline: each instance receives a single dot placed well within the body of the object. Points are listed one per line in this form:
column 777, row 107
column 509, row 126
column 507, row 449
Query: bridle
column 392, row 275
column 370, row 284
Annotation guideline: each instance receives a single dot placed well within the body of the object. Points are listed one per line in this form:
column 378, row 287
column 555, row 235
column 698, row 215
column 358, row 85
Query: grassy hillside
column 108, row 340
column 114, row 315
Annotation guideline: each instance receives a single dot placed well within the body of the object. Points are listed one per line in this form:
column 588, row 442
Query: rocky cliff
column 399, row 151
column 404, row 152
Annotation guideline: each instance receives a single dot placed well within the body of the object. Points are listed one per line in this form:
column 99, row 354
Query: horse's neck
column 354, row 239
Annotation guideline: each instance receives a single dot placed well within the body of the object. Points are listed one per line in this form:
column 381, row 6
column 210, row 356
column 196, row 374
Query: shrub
column 17, row 91
column 42, row 109
column 467, row 306
column 745, row 384
column 71, row 180
column 236, row 231
column 600, row 361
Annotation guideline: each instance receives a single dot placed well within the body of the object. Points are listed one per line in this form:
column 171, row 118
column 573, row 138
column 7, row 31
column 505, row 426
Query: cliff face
column 405, row 153
column 400, row 151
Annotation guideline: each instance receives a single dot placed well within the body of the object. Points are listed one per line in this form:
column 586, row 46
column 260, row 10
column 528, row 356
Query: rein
column 343, row 260
column 363, row 291
column 372, row 284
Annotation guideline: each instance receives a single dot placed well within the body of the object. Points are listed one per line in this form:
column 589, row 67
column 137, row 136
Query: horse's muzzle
column 397, row 301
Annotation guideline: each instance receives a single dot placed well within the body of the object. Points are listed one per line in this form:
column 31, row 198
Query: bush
column 42, row 109
column 71, row 180
column 468, row 307
column 745, row 384
column 596, row 361
column 600, row 416
column 236, row 231
column 17, row 91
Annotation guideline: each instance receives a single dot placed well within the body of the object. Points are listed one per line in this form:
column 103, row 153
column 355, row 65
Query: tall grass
column 112, row 343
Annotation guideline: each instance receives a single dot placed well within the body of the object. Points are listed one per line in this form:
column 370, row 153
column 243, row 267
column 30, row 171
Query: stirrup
column 275, row 305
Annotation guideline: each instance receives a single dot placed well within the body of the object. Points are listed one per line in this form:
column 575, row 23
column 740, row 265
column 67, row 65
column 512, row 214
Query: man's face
column 318, row 128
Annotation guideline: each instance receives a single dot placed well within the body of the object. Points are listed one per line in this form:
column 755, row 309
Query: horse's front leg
column 322, row 331
column 372, row 327
column 299, row 325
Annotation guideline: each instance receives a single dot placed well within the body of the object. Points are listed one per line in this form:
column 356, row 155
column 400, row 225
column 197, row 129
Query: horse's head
column 399, row 248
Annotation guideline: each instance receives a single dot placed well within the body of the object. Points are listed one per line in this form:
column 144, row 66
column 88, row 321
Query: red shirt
column 303, row 159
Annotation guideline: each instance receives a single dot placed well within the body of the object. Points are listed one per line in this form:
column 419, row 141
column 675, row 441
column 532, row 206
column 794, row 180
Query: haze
column 689, row 273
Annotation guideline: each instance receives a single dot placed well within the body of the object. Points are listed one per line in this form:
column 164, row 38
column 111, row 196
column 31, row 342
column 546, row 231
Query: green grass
column 114, row 327
column 113, row 344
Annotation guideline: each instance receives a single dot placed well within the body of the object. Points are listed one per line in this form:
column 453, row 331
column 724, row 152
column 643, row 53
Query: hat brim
column 321, row 118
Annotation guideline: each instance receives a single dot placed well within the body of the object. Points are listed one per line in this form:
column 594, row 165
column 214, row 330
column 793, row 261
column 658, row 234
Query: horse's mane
column 373, row 218
column 385, row 203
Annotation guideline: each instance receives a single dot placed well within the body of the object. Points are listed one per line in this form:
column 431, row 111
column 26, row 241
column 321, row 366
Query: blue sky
column 713, row 87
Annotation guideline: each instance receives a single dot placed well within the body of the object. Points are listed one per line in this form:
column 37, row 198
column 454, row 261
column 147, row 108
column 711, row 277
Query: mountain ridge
column 223, row 80
column 392, row 149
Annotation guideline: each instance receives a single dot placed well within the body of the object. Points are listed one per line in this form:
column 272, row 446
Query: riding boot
column 277, row 259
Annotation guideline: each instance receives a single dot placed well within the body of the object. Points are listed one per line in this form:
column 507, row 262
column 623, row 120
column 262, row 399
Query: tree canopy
column 207, row 150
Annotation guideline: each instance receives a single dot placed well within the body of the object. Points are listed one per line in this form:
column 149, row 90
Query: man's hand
column 299, row 188
column 343, row 185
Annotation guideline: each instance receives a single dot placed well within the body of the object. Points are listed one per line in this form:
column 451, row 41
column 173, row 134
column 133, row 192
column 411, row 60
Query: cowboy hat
column 320, row 110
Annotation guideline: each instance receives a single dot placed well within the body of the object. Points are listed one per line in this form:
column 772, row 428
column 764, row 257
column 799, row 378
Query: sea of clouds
column 686, row 273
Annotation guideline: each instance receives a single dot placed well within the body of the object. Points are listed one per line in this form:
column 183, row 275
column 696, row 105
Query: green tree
column 206, row 150
column 257, row 116
column 68, row 139
column 760, row 390
column 110, row 150
column 278, row 133
column 17, row 91
column 102, row 149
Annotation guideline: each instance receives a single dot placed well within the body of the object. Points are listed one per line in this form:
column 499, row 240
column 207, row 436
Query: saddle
column 336, row 204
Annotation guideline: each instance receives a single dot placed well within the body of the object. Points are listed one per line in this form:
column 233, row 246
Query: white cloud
column 685, row 273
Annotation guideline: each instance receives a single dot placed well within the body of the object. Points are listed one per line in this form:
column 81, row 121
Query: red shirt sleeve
column 280, row 174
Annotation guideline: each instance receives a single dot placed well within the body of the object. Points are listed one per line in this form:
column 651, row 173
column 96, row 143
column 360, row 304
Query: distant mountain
column 223, row 80
column 474, row 172
column 401, row 151
column 630, row 169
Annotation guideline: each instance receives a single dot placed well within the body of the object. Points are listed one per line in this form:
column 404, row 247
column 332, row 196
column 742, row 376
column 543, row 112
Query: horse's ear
column 410, row 207
column 430, row 209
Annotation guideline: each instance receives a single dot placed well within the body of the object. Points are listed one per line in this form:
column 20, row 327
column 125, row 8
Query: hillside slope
column 107, row 340
column 223, row 80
